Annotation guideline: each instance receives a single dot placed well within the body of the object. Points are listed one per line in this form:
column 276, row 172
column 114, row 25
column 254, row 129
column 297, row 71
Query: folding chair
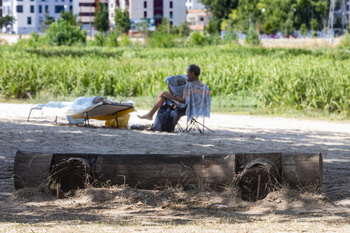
column 198, row 101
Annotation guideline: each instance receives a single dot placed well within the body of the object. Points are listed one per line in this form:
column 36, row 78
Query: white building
column 29, row 14
column 194, row 5
column 173, row 10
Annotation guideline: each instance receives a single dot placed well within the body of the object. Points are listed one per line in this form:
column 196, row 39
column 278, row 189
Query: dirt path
column 233, row 134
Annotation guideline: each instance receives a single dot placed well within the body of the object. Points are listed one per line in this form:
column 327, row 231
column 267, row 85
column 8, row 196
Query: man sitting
column 193, row 86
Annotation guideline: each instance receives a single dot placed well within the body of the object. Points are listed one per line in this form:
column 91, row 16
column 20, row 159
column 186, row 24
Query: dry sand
column 328, row 211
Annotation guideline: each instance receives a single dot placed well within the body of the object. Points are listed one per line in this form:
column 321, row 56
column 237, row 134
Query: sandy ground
column 327, row 211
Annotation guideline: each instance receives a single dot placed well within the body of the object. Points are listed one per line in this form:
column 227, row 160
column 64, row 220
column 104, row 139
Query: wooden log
column 302, row 170
column 151, row 170
column 31, row 169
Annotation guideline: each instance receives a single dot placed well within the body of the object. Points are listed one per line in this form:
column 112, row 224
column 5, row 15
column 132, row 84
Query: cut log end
column 67, row 175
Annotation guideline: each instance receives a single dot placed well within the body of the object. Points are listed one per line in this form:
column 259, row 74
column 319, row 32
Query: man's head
column 193, row 72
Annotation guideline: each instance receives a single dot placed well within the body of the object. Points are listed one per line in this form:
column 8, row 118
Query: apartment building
column 86, row 9
column 197, row 16
column 0, row 8
column 194, row 5
column 29, row 14
column 153, row 10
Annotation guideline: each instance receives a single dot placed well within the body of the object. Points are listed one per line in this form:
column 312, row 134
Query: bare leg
column 159, row 102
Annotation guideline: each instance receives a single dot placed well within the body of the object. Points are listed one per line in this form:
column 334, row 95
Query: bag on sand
column 167, row 117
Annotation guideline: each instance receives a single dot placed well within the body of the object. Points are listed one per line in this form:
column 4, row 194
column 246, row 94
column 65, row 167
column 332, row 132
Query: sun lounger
column 116, row 114
column 106, row 111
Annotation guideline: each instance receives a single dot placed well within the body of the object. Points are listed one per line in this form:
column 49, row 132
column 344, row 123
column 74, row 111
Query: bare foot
column 146, row 116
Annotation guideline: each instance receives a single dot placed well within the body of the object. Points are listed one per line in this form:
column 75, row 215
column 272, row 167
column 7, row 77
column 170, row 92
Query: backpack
column 167, row 117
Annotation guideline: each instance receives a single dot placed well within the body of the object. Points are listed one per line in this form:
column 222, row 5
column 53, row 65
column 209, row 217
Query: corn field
column 314, row 79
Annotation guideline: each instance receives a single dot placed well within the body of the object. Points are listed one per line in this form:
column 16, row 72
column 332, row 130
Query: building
column 173, row 10
column 194, row 5
column 29, row 14
column 0, row 8
column 197, row 16
column 197, row 19
column 85, row 9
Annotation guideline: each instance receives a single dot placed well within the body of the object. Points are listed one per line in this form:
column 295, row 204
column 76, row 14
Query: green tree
column 314, row 27
column 47, row 21
column 248, row 14
column 70, row 18
column 6, row 20
column 62, row 33
column 184, row 29
column 142, row 27
column 122, row 21
column 303, row 29
column 101, row 21
column 220, row 10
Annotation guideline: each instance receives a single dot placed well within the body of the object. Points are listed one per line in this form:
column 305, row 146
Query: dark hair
column 195, row 69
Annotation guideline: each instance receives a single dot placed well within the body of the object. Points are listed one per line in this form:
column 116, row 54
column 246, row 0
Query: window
column 171, row 4
column 145, row 14
column 29, row 20
column 59, row 8
column 32, row 9
column 201, row 18
column 170, row 14
column 71, row 8
column 19, row 0
column 171, row 23
column 19, row 9
column 46, row 8
column 40, row 9
column 145, row 4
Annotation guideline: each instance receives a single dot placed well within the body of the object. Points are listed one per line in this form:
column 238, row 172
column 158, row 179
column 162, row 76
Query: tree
column 122, row 21
column 62, row 33
column 142, row 27
column 7, row 20
column 184, row 29
column 70, row 18
column 48, row 20
column 314, row 26
column 303, row 29
column 101, row 22
column 220, row 10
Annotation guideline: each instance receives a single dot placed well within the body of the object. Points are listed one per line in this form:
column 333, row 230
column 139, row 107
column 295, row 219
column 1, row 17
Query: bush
column 112, row 39
column 125, row 41
column 100, row 39
column 345, row 41
column 230, row 36
column 62, row 33
column 197, row 39
column 252, row 38
column 161, row 40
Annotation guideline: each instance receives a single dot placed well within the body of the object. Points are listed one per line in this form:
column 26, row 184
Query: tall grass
column 288, row 78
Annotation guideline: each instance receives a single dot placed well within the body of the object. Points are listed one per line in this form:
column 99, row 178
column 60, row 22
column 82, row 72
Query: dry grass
column 125, row 209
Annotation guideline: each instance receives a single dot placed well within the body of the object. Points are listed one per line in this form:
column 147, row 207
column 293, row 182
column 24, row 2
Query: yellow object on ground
column 122, row 116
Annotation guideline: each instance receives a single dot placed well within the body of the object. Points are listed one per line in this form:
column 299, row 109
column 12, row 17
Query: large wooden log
column 31, row 169
column 150, row 170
